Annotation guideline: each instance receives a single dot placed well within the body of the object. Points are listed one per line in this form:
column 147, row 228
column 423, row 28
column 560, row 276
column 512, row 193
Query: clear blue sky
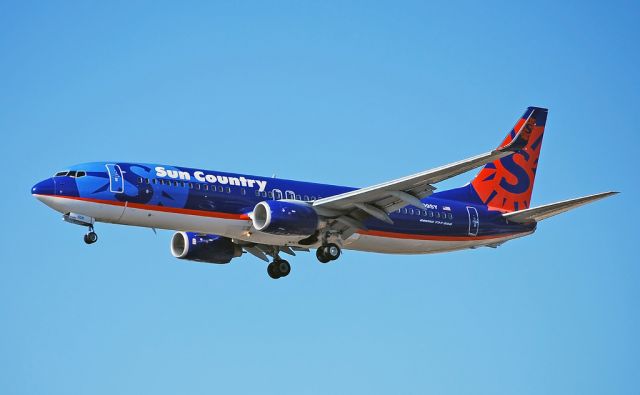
column 348, row 93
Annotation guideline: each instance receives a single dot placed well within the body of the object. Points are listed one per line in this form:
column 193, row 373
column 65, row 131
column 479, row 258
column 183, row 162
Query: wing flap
column 539, row 213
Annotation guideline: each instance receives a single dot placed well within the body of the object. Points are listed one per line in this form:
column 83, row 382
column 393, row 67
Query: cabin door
column 116, row 180
column 474, row 221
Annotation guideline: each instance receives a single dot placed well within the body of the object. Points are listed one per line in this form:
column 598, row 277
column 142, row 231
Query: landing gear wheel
column 331, row 251
column 272, row 271
column 284, row 268
column 320, row 255
column 278, row 268
column 91, row 237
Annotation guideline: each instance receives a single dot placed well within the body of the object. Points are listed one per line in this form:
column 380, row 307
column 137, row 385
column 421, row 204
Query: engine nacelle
column 285, row 218
column 204, row 248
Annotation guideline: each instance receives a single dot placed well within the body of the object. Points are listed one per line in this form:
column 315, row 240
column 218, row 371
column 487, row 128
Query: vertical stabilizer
column 507, row 183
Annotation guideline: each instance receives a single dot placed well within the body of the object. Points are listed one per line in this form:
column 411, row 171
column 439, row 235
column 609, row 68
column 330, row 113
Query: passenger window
column 313, row 198
column 220, row 188
column 450, row 216
column 404, row 210
column 437, row 214
column 263, row 194
column 175, row 183
column 198, row 186
column 190, row 185
column 228, row 189
column 153, row 181
column 257, row 193
column 146, row 180
column 425, row 213
column 306, row 198
column 431, row 214
column 243, row 191
column 270, row 194
column 139, row 180
column 298, row 197
column 182, row 184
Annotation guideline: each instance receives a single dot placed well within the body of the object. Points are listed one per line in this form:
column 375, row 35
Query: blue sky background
column 348, row 93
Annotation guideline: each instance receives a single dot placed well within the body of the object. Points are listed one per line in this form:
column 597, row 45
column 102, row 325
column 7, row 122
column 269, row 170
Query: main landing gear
column 91, row 236
column 278, row 268
column 328, row 252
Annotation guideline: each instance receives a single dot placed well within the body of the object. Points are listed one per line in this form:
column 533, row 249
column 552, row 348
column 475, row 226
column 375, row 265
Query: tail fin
column 506, row 184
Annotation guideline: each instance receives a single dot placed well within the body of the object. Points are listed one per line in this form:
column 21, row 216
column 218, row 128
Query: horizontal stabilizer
column 536, row 214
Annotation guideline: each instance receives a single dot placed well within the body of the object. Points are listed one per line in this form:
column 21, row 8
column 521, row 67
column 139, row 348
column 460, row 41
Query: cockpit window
column 72, row 173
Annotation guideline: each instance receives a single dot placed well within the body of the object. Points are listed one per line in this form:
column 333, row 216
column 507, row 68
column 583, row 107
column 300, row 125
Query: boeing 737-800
column 217, row 216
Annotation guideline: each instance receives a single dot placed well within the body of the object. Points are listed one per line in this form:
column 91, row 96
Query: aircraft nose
column 44, row 187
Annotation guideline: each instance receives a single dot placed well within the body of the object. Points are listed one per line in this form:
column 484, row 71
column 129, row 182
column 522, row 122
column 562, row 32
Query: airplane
column 218, row 216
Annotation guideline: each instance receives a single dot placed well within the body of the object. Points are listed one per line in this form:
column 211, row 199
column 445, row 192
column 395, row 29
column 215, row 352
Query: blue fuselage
column 448, row 215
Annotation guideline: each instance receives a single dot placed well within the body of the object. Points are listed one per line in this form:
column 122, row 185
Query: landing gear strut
column 278, row 268
column 328, row 252
column 91, row 237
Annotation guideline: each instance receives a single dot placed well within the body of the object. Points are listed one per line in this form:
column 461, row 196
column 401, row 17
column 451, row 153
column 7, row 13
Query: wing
column 379, row 200
column 536, row 214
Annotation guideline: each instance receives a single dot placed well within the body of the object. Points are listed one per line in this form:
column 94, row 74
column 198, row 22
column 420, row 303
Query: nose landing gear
column 91, row 237
column 83, row 220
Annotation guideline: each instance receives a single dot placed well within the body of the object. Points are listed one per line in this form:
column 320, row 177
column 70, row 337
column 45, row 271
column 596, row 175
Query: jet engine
column 285, row 218
column 204, row 248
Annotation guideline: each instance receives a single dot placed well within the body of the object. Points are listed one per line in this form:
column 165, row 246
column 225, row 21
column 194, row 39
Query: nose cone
column 44, row 187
